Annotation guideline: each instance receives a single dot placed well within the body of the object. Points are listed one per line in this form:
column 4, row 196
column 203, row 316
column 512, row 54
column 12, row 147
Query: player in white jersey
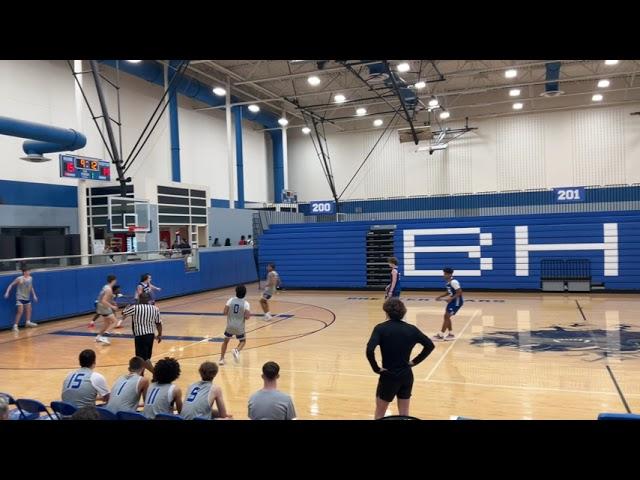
column 273, row 280
column 24, row 290
column 238, row 312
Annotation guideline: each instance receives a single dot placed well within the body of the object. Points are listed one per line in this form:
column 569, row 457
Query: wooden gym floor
column 517, row 355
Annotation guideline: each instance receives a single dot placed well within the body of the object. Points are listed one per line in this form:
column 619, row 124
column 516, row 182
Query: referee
column 396, row 339
column 145, row 320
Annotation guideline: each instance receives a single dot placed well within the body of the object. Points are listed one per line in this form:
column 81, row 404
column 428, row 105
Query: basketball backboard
column 128, row 214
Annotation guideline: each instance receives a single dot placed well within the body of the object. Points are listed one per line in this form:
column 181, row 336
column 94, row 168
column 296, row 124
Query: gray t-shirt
column 23, row 290
column 271, row 405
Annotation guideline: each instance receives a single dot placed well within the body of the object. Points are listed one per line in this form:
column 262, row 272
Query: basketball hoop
column 134, row 229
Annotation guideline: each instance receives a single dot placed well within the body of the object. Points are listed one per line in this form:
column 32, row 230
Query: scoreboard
column 85, row 168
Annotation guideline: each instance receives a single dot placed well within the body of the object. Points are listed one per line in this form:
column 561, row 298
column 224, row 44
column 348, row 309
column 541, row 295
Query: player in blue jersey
column 454, row 303
column 394, row 288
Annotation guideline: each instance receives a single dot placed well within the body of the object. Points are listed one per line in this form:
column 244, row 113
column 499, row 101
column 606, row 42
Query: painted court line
column 435, row 367
column 218, row 314
column 128, row 335
column 529, row 387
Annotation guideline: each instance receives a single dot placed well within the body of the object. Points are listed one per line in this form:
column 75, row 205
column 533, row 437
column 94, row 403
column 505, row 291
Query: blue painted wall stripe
column 237, row 114
column 42, row 194
column 174, row 127
column 278, row 164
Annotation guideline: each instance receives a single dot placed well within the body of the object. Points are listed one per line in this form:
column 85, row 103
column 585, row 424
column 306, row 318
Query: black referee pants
column 144, row 345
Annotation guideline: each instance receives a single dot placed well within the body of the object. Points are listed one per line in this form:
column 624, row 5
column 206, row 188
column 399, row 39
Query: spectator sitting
column 185, row 248
column 216, row 243
column 86, row 413
column 242, row 240
column 227, row 242
column 249, row 240
column 270, row 403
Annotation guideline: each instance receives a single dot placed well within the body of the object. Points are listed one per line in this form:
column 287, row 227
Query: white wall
column 597, row 146
column 43, row 91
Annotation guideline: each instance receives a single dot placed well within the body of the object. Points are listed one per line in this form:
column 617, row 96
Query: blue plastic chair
column 131, row 416
column 168, row 416
column 106, row 414
column 63, row 409
column 30, row 409
column 618, row 416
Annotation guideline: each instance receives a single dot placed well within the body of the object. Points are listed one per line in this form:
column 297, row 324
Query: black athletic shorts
column 391, row 385
column 144, row 346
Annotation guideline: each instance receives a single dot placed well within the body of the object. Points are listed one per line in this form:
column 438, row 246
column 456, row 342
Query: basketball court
column 517, row 355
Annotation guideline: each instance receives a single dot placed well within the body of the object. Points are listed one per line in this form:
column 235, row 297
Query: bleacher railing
column 190, row 256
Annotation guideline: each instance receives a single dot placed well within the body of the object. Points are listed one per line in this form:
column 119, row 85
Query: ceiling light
column 514, row 92
column 377, row 122
column 254, row 108
column 361, row 111
column 518, row 106
column 597, row 97
column 314, row 81
column 604, row 83
column 444, row 115
column 512, row 73
column 221, row 92
column 611, row 62
column 283, row 121
column 339, row 98
column 403, row 67
column 306, row 130
column 134, row 61
column 433, row 102
column 420, row 85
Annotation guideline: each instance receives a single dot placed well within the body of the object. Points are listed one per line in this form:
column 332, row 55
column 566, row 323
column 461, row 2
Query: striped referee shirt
column 144, row 318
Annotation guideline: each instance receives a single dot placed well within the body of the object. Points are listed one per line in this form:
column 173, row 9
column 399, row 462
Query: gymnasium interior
column 520, row 175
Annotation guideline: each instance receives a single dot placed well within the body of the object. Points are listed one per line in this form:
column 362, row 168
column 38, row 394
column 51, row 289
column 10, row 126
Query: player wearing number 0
column 273, row 280
column 238, row 311
column 393, row 289
column 454, row 303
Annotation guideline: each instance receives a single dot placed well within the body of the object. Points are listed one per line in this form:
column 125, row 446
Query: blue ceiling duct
column 552, row 86
column 378, row 74
column 43, row 138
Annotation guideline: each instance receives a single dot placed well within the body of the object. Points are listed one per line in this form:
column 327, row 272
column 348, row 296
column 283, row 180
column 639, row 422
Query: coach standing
column 396, row 339
column 145, row 320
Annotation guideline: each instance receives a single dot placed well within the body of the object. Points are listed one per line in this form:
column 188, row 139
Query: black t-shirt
column 396, row 339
